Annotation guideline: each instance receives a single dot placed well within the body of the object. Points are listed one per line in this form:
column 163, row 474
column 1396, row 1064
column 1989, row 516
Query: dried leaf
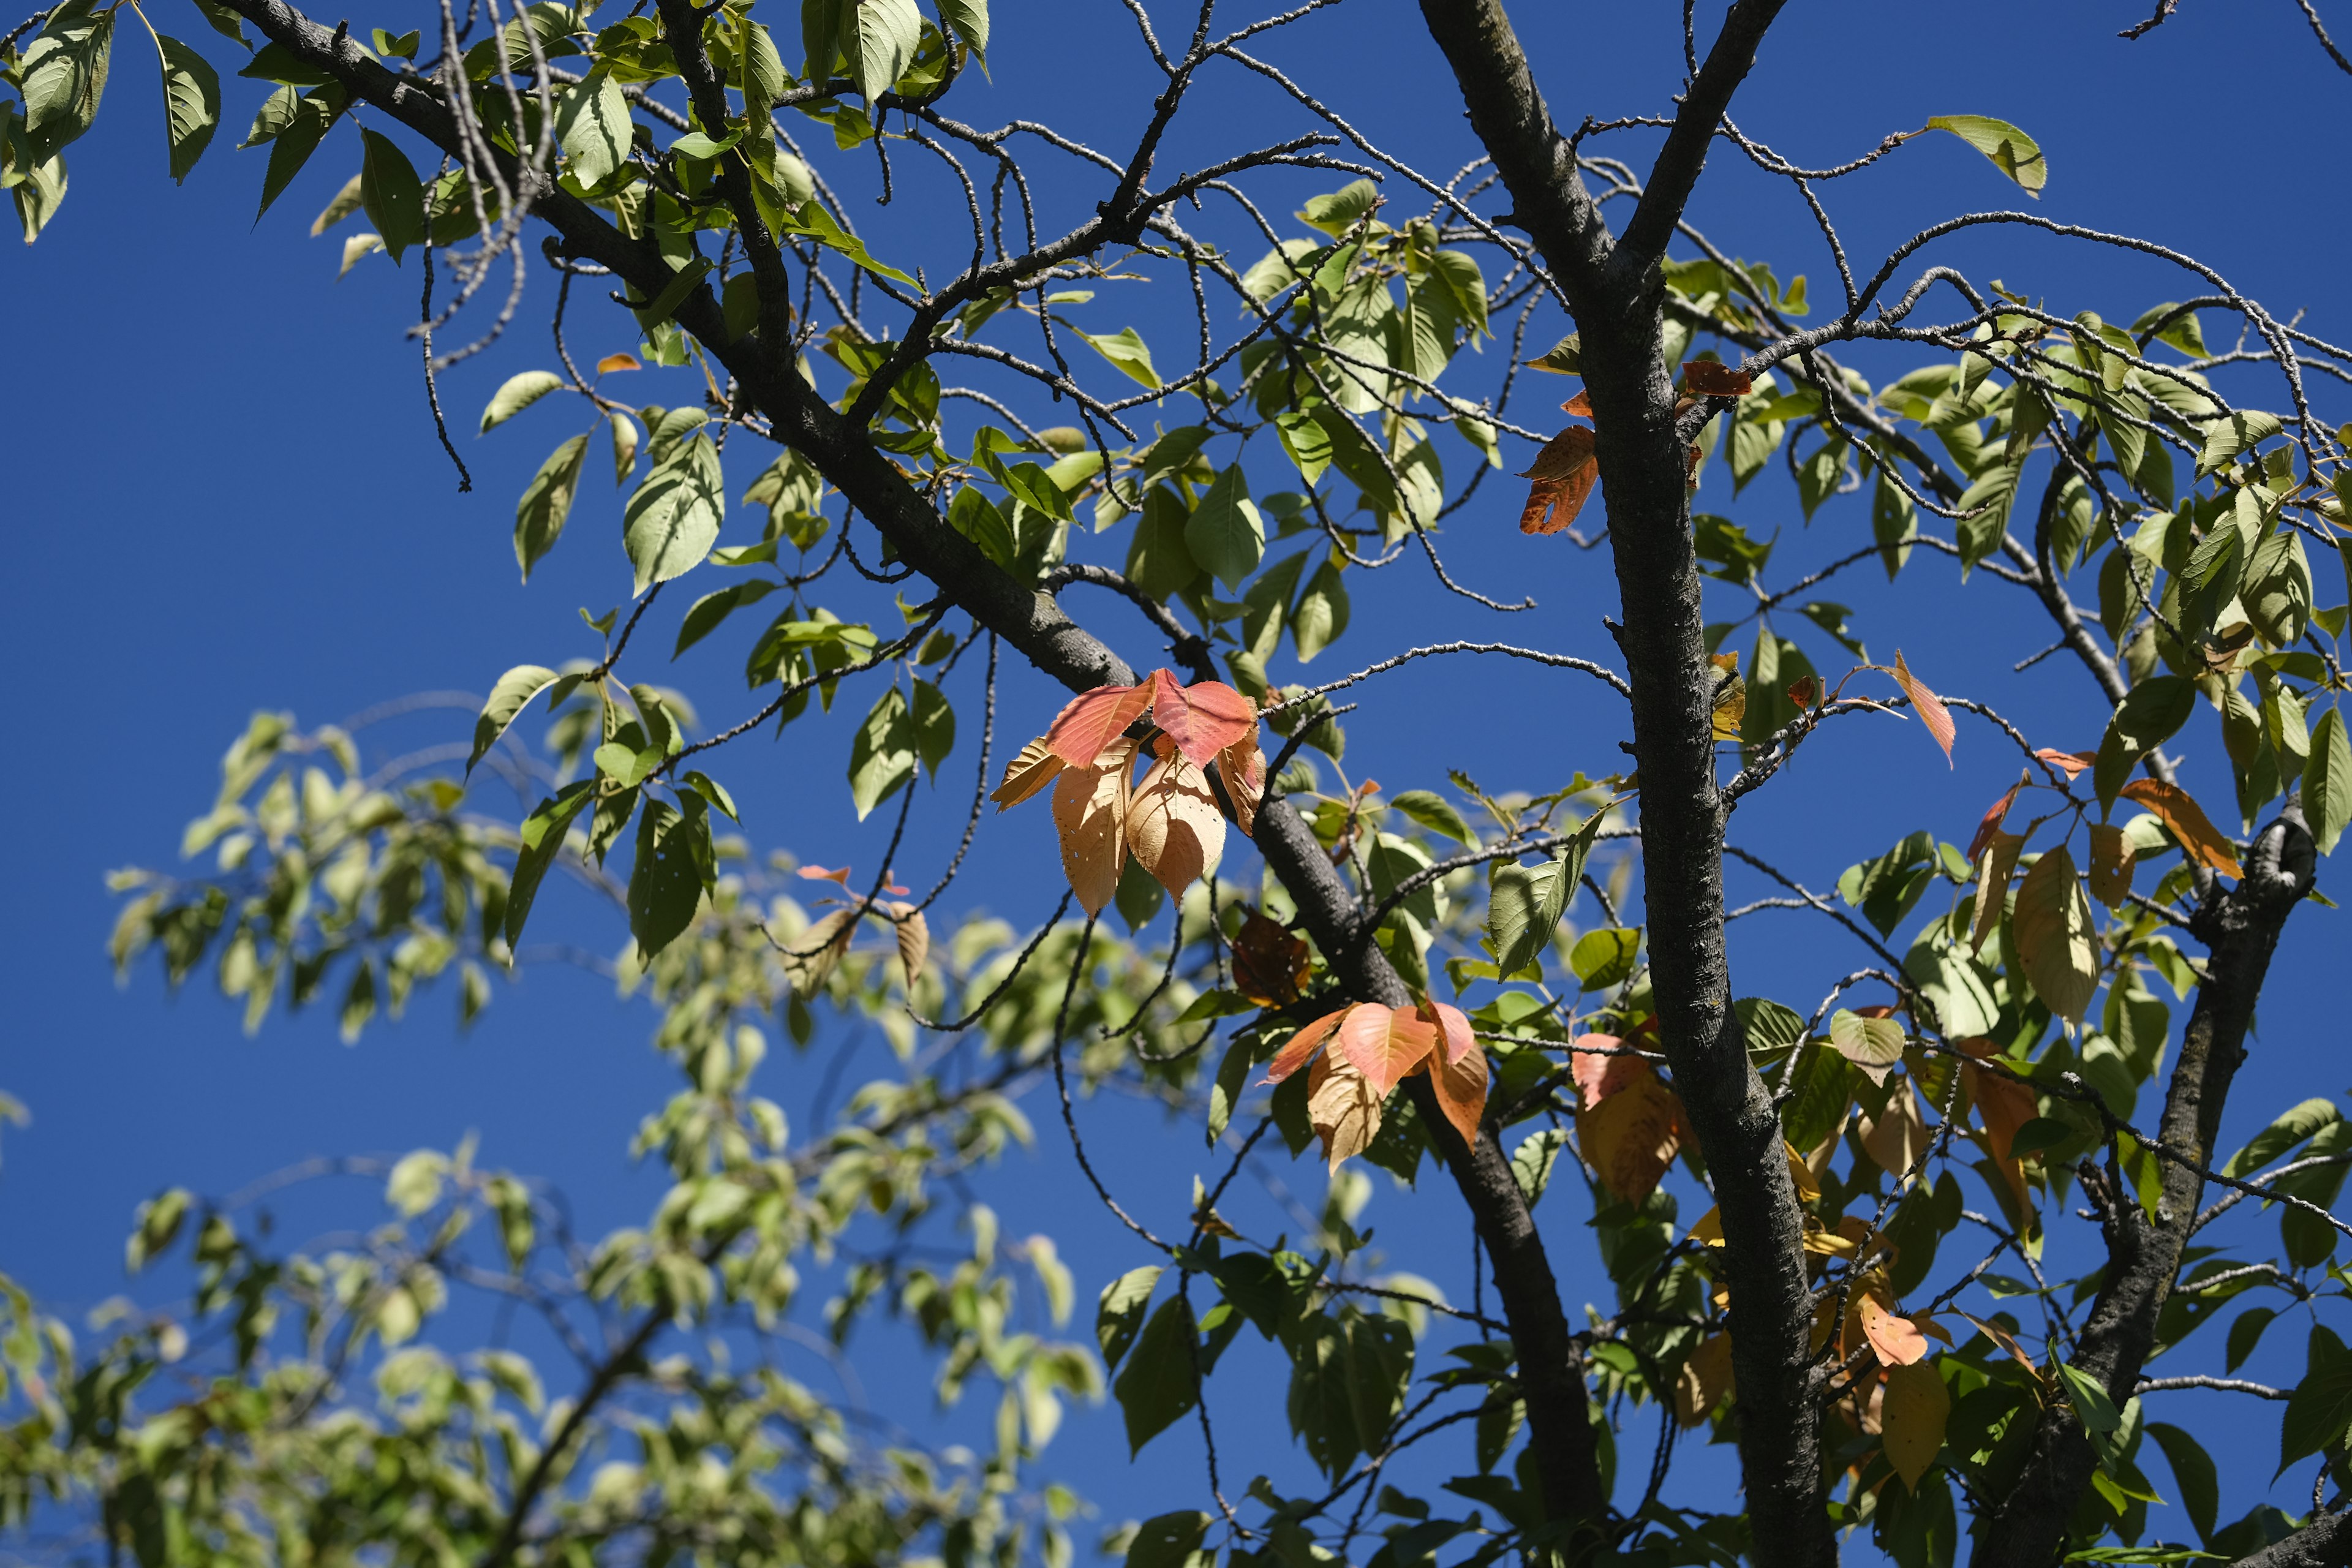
column 1241, row 766
column 1898, row 1137
column 1460, row 1085
column 1804, row 691
column 1203, row 719
column 1705, row 1379
column 914, row 934
column 1385, row 1043
column 1565, row 473
column 1931, row 706
column 1270, row 965
column 1301, row 1046
column 1707, row 378
column 1025, row 774
column 2113, row 860
column 1562, row 456
column 1090, row 809
column 1581, row 403
column 618, row 362
column 1089, row 721
column 1993, row 820
column 1912, row 1417
column 1993, row 869
column 1897, row 1340
column 812, row 957
column 1630, row 1137
column 819, row 874
column 1872, row 1044
column 1342, row 1106
column 2073, row 764
column 2056, row 940
column 2187, row 821
column 1173, row 827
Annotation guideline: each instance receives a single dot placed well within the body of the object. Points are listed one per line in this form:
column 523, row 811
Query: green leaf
column 889, row 32
column 314, row 114
column 2093, row 1406
column 1170, row 1541
column 672, row 519
column 711, row 790
column 542, row 834
column 968, row 19
column 1308, row 443
column 675, row 865
column 813, row 221
column 711, row 609
column 882, row 757
column 1160, row 1383
column 664, row 305
column 2012, row 152
column 546, row 504
column 62, row 75
column 626, row 765
column 517, row 393
column 2320, row 1407
column 2226, row 438
column 2193, row 1473
column 592, row 126
column 1157, row 560
column 1321, row 615
column 1119, row 1316
column 2327, row 780
column 1603, row 958
column 390, row 192
column 2289, row 1128
column 1225, row 534
column 1436, row 813
column 1533, row 1161
column 191, row 104
column 1127, row 351
column 934, row 727
column 509, row 698
column 1338, row 213
column 1768, row 1025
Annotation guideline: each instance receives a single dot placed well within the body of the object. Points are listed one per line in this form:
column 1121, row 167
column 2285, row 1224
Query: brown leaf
column 2073, row 764
column 1912, row 1417
column 2187, row 821
column 1460, row 1085
column 1385, row 1043
column 1630, row 1137
column 1708, row 378
column 1270, row 965
column 1025, row 774
column 1343, row 1106
column 812, row 957
column 1565, row 473
column 1090, row 808
column 1931, row 708
column 1804, row 691
column 1089, row 722
column 1241, row 766
column 2056, row 940
column 1203, row 719
column 1173, row 827
column 2113, row 861
column 914, row 934
column 1898, row 1137
column 1993, row 869
column 1994, row 818
column 1293, row 1055
column 1705, row 1379
column 1581, row 403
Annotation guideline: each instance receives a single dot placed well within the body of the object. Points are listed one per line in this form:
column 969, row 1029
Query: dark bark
column 2240, row 929
column 2325, row 1542
column 1550, row 1370
column 1617, row 297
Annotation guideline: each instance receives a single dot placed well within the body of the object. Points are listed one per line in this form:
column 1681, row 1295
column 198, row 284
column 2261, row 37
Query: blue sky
column 227, row 495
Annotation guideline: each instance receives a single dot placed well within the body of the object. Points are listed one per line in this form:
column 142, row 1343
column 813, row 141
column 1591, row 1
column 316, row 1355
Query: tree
column 1982, row 1066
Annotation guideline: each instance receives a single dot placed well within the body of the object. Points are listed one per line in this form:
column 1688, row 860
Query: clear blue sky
column 225, row 495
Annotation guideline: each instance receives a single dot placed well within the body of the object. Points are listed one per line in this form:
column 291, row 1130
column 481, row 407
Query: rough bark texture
column 2240, row 929
column 1617, row 292
column 2325, row 1542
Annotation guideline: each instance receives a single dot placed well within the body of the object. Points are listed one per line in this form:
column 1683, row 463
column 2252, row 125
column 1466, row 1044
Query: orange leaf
column 1581, row 403
column 2187, row 821
column 1385, row 1043
column 1090, row 807
column 1707, row 378
column 1203, row 719
column 1705, row 1379
column 1025, row 774
column 2112, row 863
column 1993, row 820
column 1630, row 1137
column 1173, row 827
column 1293, row 1055
column 1804, row 691
column 1270, row 965
column 1565, row 473
column 2073, row 764
column 1912, row 1417
column 1897, row 1340
column 1242, row 767
column 1932, row 711
column 618, row 362
column 1596, row 1075
column 1452, row 1029
column 1088, row 722
column 1460, row 1085
column 819, row 874
column 1563, row 457
column 1343, row 1106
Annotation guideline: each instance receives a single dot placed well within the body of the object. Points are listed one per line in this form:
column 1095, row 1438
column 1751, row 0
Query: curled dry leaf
column 1025, row 774
column 1565, row 473
column 1804, row 691
column 810, row 958
column 1912, row 1417
column 1241, row 767
column 2187, row 821
column 2113, row 860
column 1342, row 1106
column 1709, row 378
column 1203, row 719
column 1630, row 1137
column 1301, row 1046
column 914, row 934
column 1462, row 1084
column 1705, row 1379
column 1090, row 720
column 819, row 874
column 1994, row 867
column 1090, row 809
column 1931, row 708
column 1385, row 1043
column 2056, row 940
column 1173, row 827
column 1993, row 820
column 1270, row 965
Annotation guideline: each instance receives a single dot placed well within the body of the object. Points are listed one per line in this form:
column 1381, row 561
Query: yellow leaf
column 1912, row 1418
column 1630, row 1138
column 1025, row 774
column 2055, row 940
column 2113, row 860
column 1705, row 1379
column 1897, row 1138
column 1730, row 698
column 1342, row 1106
column 1173, row 826
column 1090, row 809
column 1993, row 869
